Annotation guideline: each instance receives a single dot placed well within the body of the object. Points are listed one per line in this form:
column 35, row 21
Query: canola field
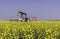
column 30, row 30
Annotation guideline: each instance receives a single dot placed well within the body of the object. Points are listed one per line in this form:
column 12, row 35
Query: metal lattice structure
column 33, row 18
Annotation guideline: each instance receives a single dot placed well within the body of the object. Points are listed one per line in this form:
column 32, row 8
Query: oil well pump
column 23, row 17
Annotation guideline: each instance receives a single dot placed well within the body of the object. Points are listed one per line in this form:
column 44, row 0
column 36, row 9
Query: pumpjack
column 22, row 16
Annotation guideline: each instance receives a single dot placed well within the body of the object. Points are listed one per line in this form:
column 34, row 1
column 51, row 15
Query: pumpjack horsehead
column 22, row 16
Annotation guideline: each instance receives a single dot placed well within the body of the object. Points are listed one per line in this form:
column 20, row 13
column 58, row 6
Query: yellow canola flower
column 48, row 30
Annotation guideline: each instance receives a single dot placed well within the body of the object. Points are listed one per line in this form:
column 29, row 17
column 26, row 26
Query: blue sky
column 42, row 9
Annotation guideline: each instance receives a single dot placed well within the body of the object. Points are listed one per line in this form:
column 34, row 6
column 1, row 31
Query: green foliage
column 30, row 30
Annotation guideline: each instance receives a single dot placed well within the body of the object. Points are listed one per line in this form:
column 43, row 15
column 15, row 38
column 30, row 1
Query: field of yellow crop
column 30, row 30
